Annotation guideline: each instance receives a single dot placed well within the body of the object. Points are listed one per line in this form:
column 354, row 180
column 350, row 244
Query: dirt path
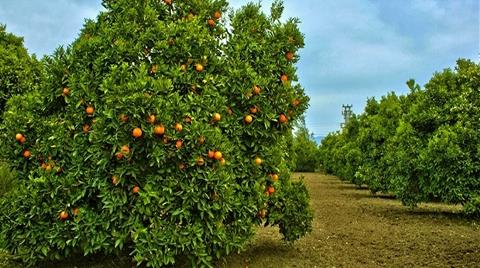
column 353, row 228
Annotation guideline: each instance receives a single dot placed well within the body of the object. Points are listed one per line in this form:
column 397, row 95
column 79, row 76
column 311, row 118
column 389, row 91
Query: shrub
column 159, row 131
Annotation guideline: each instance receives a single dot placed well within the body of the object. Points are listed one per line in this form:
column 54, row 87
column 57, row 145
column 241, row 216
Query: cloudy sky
column 354, row 48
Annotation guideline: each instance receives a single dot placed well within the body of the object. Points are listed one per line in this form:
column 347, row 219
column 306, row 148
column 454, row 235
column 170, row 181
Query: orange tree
column 162, row 131
column 19, row 71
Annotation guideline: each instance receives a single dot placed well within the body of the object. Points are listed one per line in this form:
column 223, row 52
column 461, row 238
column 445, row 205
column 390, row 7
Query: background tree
column 305, row 148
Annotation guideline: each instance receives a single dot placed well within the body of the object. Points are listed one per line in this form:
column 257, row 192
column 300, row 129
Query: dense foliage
column 19, row 72
column 423, row 146
column 305, row 150
column 163, row 131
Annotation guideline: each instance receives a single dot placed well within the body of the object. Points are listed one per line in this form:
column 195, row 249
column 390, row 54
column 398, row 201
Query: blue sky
column 354, row 48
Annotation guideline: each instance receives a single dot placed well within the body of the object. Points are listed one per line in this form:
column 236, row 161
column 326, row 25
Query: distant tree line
column 423, row 146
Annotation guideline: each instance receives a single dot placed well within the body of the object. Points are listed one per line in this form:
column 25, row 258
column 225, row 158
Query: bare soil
column 353, row 228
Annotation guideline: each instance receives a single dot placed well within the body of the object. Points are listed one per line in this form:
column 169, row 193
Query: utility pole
column 347, row 114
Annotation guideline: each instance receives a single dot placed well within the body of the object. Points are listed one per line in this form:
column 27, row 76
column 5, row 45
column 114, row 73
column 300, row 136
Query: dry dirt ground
column 353, row 228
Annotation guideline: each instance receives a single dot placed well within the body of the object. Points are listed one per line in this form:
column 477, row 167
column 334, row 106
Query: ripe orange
column 217, row 15
column 211, row 154
column 125, row 149
column 270, row 189
column 200, row 161
column 248, row 119
column 19, row 137
column 136, row 189
column 289, row 56
column 48, row 167
column 258, row 161
column 89, row 110
column 211, row 23
column 151, row 119
column 86, row 128
column 23, row 140
column 217, row 117
column 178, row 127
column 284, row 78
column 27, row 154
column 63, row 215
column 159, row 130
column 199, row 67
column 256, row 90
column 137, row 132
column 65, row 91
column 282, row 119
column 275, row 177
column 119, row 156
column 167, row 2
column 222, row 161
column 253, row 109
column 218, row 155
column 178, row 144
column 123, row 118
column 76, row 211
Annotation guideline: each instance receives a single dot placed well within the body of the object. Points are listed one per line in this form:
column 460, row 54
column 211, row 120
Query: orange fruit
column 167, row 2
column 123, row 118
column 284, row 78
column 23, row 140
column 271, row 190
column 27, row 154
column 211, row 154
column 217, row 15
column 217, row 117
column 136, row 189
column 19, row 137
column 159, row 130
column 183, row 67
column 137, row 132
column 178, row 144
column 125, row 149
column 200, row 161
column 63, row 215
column 282, row 119
column 222, row 161
column 89, row 110
column 151, row 119
column 86, row 128
column 199, row 67
column 48, row 167
column 218, row 155
column 248, row 119
column 258, row 161
column 65, row 91
column 211, row 23
column 275, row 177
column 201, row 140
column 178, row 127
column 76, row 211
column 119, row 156
column 256, row 90
column 253, row 109
column 289, row 56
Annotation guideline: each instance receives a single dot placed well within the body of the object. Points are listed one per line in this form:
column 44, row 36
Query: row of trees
column 163, row 131
column 424, row 146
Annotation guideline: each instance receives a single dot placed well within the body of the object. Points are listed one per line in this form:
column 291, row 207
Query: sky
column 354, row 49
